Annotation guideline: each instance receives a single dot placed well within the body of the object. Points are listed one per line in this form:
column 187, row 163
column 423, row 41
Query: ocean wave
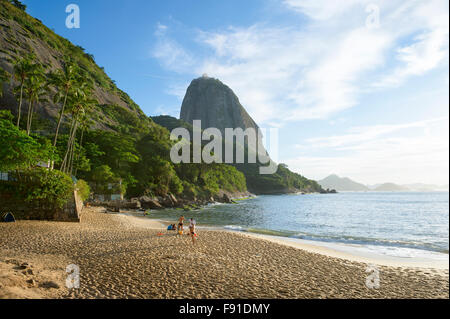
column 233, row 227
column 343, row 239
column 373, row 241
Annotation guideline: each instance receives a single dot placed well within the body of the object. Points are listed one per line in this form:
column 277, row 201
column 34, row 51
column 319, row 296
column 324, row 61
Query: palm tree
column 85, row 121
column 36, row 90
column 64, row 80
column 81, row 103
column 82, row 120
column 23, row 69
column 4, row 76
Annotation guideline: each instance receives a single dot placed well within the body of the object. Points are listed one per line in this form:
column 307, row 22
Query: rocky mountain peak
column 215, row 104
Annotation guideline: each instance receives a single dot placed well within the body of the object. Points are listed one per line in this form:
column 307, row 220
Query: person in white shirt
column 192, row 230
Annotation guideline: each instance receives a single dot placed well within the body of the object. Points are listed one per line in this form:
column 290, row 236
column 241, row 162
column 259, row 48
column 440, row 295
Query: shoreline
column 343, row 251
column 350, row 252
column 122, row 256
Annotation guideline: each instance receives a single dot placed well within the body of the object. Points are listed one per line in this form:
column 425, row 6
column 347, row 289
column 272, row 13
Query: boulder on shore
column 149, row 203
column 168, row 201
column 130, row 205
column 226, row 199
column 173, row 199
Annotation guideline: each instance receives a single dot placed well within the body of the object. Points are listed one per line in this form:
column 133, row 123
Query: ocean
column 399, row 224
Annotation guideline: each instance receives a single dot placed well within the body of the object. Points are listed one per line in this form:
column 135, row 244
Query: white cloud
column 425, row 54
column 402, row 153
column 331, row 85
column 257, row 63
column 315, row 70
column 282, row 73
column 322, row 9
column 170, row 53
column 177, row 89
column 160, row 29
column 429, row 48
column 164, row 110
column 362, row 134
column 326, row 64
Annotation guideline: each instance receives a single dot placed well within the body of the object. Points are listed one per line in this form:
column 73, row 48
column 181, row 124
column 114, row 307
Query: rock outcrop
column 215, row 104
column 150, row 203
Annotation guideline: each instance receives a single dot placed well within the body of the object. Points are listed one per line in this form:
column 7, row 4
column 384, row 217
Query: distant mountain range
column 391, row 187
column 345, row 184
column 426, row 187
column 342, row 184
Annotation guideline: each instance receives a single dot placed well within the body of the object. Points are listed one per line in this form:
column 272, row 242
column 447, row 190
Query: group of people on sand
column 180, row 228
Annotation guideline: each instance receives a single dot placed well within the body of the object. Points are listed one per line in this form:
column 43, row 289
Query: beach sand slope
column 124, row 257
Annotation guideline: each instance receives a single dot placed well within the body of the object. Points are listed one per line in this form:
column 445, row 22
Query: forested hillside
column 216, row 105
column 283, row 181
column 62, row 101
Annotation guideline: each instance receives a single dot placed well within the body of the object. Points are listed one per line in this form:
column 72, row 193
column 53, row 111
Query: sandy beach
column 124, row 257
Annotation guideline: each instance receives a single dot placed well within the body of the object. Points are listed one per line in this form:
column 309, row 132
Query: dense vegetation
column 129, row 155
column 83, row 189
column 18, row 150
column 137, row 164
column 41, row 189
column 281, row 182
column 114, row 147
column 171, row 123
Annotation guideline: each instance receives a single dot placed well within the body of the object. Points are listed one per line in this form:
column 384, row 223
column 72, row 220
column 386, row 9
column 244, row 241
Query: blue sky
column 357, row 88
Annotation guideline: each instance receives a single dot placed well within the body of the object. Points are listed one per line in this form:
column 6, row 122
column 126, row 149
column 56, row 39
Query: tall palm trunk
column 72, row 149
column 30, row 105
column 65, row 163
column 60, row 118
column 78, row 155
column 72, row 156
column 69, row 154
column 61, row 113
column 20, row 104
column 33, row 105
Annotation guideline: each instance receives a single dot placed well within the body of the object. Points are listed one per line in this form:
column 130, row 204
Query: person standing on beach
column 192, row 230
column 180, row 224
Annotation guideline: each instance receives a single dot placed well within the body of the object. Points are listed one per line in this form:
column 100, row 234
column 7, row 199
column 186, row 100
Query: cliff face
column 215, row 104
column 21, row 34
column 207, row 99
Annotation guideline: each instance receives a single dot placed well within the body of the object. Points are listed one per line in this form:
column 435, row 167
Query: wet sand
column 124, row 257
column 359, row 253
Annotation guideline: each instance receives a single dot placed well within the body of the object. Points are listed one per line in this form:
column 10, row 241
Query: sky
column 355, row 88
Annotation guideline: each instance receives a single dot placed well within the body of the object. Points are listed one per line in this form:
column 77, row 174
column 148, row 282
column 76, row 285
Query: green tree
column 116, row 150
column 81, row 104
column 18, row 4
column 64, row 80
column 101, row 177
column 45, row 188
column 83, row 189
column 23, row 69
column 102, row 174
column 19, row 151
column 85, row 121
column 36, row 90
